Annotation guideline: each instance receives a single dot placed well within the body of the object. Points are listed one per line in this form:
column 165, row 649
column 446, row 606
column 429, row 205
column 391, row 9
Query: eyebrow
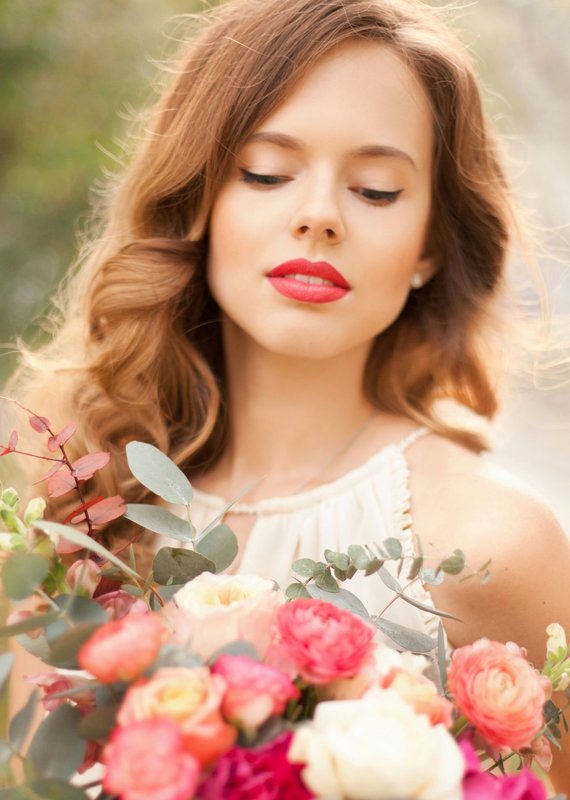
column 367, row 151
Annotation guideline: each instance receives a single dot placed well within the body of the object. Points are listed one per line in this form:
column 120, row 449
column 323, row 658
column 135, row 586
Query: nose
column 318, row 215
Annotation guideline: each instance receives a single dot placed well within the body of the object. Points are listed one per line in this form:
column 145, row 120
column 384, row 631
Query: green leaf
column 342, row 599
column 454, row 564
column 54, row 789
column 417, row 564
column 167, row 592
column 373, row 566
column 237, row 648
column 158, row 473
column 324, row 580
column 57, row 750
column 340, row 560
column 393, row 547
column 81, row 539
column 304, row 567
column 5, row 755
column 220, row 546
column 429, row 608
column 23, row 573
column 74, row 610
column 6, row 664
column 172, row 655
column 99, row 723
column 441, row 656
column 296, row 590
column 358, row 556
column 409, row 639
column 176, row 565
column 388, row 580
column 20, row 722
column 64, row 649
column 431, row 576
column 159, row 520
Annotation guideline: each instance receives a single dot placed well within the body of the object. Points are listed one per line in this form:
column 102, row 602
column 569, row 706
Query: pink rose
column 421, row 694
column 123, row 649
column 478, row 785
column 84, row 576
column 191, row 698
column 499, row 692
column 254, row 691
column 119, row 603
column 213, row 610
column 323, row 642
column 147, row 760
column 263, row 773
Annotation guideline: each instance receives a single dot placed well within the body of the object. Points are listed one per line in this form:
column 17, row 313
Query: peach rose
column 213, row 610
column 147, row 760
column 323, row 642
column 422, row 695
column 189, row 697
column 123, row 649
column 255, row 691
column 499, row 692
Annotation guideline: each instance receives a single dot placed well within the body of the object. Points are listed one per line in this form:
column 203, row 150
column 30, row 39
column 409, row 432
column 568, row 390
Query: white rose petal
column 377, row 747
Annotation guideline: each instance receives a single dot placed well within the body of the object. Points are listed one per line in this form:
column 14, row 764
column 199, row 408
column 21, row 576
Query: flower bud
column 34, row 510
column 85, row 576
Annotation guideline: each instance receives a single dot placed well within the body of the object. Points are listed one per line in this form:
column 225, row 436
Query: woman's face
column 322, row 220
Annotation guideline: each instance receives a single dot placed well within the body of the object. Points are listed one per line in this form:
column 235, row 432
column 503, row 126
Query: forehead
column 361, row 93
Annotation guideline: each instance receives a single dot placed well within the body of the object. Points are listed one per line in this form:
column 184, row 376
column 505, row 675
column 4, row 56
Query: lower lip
column 307, row 292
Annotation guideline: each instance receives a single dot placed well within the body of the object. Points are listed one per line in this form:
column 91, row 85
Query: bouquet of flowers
column 192, row 683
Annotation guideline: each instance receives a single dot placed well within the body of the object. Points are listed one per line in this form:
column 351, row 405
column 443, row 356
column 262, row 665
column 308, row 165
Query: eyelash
column 370, row 195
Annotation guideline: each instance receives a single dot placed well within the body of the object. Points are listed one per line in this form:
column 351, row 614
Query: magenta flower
column 478, row 785
column 263, row 773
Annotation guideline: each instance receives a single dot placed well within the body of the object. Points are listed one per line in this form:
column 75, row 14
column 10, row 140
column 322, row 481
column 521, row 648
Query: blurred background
column 72, row 73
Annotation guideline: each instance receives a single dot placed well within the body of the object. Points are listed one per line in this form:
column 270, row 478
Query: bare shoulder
column 460, row 499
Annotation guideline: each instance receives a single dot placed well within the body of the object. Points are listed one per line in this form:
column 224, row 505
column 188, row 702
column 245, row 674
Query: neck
column 288, row 415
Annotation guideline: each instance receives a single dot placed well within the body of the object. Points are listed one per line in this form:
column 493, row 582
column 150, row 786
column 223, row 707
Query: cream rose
column 378, row 747
column 213, row 610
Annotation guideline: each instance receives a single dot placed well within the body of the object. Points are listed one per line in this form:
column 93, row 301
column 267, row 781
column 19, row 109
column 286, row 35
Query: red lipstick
column 308, row 281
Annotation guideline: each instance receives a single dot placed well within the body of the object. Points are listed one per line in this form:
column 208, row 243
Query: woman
column 306, row 255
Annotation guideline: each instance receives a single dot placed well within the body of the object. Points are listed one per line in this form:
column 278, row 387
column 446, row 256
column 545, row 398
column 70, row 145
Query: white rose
column 213, row 610
column 377, row 747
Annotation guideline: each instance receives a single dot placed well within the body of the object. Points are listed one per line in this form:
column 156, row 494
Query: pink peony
column 254, row 691
column 191, row 698
column 499, row 692
column 123, row 649
column 323, row 642
column 263, row 773
column 147, row 760
column 478, row 785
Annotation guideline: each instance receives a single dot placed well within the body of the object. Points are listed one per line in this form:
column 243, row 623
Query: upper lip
column 317, row 269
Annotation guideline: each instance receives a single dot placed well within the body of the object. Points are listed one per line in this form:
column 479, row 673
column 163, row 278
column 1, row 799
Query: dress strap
column 412, row 437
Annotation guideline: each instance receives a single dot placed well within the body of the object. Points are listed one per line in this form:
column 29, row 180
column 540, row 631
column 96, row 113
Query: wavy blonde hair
column 138, row 350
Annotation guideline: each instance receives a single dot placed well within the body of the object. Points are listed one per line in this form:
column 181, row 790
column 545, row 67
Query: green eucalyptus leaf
column 64, row 649
column 20, row 722
column 57, row 749
column 167, row 592
column 54, row 789
column 23, row 573
column 340, row 560
column 409, row 639
column 441, row 656
column 358, row 556
column 99, row 723
column 342, row 599
column 237, row 648
column 159, row 520
column 6, row 664
column 75, row 610
column 388, row 580
column 324, row 580
column 454, row 564
column 393, row 547
column 158, row 473
column 296, row 590
column 417, row 564
column 173, row 655
column 431, row 576
column 429, row 608
column 85, row 541
column 373, row 566
column 304, row 567
column 176, row 565
column 220, row 546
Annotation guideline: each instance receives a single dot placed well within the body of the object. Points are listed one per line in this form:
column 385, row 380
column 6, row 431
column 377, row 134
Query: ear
column 426, row 268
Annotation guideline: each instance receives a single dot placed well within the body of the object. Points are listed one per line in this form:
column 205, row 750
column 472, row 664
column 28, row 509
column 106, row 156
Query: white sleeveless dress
column 366, row 505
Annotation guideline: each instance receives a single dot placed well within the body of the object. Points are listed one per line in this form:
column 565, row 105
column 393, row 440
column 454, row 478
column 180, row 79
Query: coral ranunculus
column 254, row 692
column 323, row 642
column 191, row 698
column 499, row 692
column 263, row 773
column 147, row 760
column 123, row 649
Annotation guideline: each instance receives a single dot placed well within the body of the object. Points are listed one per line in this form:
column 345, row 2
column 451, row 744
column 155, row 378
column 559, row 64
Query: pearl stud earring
column 417, row 281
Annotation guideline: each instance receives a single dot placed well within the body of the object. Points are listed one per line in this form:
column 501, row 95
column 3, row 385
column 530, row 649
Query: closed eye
column 261, row 180
column 377, row 197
